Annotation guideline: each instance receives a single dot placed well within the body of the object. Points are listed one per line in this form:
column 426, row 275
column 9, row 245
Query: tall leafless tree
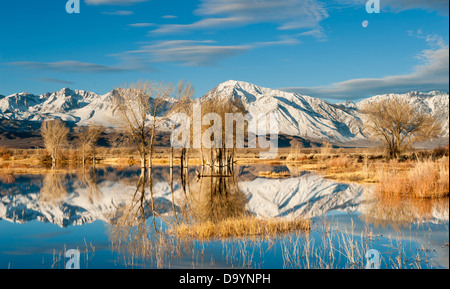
column 131, row 105
column 87, row 140
column 158, row 110
column 397, row 124
column 54, row 134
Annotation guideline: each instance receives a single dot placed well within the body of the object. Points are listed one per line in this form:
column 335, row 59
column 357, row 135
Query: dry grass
column 275, row 175
column 240, row 228
column 426, row 179
column 340, row 162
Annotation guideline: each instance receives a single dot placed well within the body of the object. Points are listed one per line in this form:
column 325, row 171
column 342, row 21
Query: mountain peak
column 65, row 90
column 234, row 84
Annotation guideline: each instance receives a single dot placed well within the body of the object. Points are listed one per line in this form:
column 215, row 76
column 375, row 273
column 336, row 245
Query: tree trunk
column 53, row 159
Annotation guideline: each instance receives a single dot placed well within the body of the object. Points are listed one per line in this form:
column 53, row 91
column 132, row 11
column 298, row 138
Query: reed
column 426, row 179
column 240, row 228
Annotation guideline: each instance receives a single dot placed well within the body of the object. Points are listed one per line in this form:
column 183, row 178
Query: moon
column 365, row 23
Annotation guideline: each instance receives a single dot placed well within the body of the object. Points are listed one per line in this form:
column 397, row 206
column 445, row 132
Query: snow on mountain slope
column 296, row 114
column 60, row 104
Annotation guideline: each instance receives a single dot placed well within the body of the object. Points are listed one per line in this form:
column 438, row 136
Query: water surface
column 109, row 215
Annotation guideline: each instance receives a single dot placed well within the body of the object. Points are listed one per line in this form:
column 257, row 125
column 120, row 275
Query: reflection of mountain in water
column 77, row 199
column 73, row 201
column 305, row 196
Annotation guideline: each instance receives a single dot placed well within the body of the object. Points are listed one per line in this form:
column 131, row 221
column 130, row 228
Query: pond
column 110, row 216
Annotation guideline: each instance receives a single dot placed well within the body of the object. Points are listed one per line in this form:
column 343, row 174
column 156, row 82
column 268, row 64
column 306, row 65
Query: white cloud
column 73, row 66
column 441, row 6
column 119, row 12
column 287, row 14
column 188, row 53
column 431, row 74
column 113, row 2
column 169, row 17
column 138, row 25
column 54, row 80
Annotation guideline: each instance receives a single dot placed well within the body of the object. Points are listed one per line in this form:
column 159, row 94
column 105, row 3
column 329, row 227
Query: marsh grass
column 333, row 246
column 426, row 179
column 240, row 228
column 275, row 175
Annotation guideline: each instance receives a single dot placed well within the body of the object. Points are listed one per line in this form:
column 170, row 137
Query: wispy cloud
column 169, row 17
column 72, row 66
column 188, row 52
column 431, row 74
column 287, row 14
column 200, row 53
column 113, row 2
column 54, row 80
column 441, row 6
column 119, row 12
column 317, row 33
column 138, row 25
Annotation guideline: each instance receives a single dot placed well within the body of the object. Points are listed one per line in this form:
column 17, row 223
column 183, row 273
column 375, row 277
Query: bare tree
column 87, row 140
column 160, row 92
column 132, row 105
column 396, row 123
column 140, row 108
column 54, row 133
column 223, row 149
column 183, row 96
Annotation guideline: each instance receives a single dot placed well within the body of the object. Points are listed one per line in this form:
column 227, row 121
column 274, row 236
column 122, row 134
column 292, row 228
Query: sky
column 335, row 50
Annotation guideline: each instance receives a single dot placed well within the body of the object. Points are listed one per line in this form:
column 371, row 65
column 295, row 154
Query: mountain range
column 297, row 115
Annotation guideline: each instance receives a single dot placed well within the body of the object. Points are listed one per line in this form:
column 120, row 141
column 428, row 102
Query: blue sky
column 319, row 48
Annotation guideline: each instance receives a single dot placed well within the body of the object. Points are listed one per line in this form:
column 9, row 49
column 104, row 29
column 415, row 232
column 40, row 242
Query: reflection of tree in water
column 400, row 212
column 54, row 188
column 131, row 233
column 7, row 178
column 215, row 199
column 141, row 230
column 89, row 179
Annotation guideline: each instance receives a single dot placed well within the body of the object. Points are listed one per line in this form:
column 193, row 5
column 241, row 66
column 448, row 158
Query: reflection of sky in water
column 26, row 242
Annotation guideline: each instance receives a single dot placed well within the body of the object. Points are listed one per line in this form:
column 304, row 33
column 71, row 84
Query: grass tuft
column 426, row 179
column 240, row 228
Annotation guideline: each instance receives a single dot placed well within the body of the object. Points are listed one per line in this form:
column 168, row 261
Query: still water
column 110, row 216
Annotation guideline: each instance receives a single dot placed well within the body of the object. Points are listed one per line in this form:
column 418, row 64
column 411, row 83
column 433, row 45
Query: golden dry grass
column 240, row 228
column 339, row 162
column 275, row 175
column 426, row 179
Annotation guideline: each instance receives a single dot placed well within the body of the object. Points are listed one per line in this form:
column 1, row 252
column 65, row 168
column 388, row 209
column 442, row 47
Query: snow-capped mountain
column 317, row 119
column 297, row 115
column 77, row 106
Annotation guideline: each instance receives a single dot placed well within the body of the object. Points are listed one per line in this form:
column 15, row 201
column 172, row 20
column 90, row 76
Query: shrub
column 5, row 153
column 339, row 162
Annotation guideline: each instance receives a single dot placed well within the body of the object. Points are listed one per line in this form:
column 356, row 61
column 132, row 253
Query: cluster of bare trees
column 141, row 107
column 55, row 136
